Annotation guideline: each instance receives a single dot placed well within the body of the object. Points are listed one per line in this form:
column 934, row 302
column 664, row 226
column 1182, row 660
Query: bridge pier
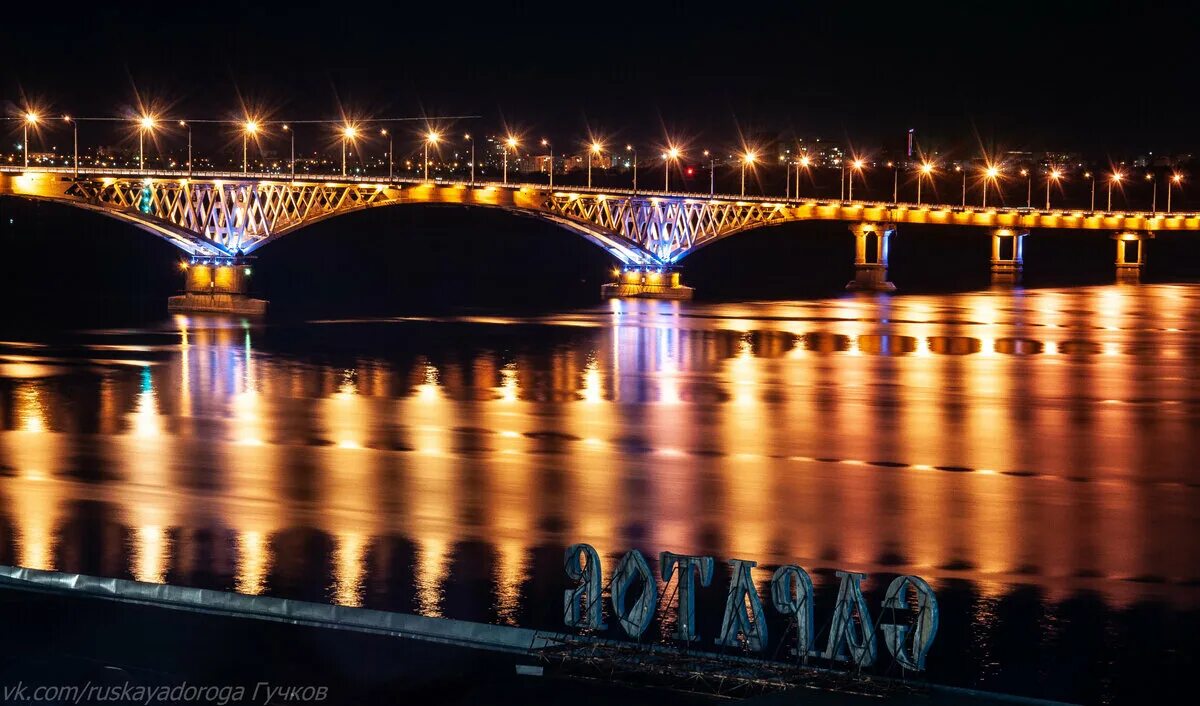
column 217, row 284
column 646, row 282
column 1008, row 255
column 1131, row 255
column 871, row 257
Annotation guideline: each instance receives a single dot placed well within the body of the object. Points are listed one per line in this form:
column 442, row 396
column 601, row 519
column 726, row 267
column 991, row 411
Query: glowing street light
column 31, row 118
column 1154, row 194
column 292, row 134
column 249, row 129
column 925, row 171
column 1028, row 188
column 184, row 124
column 1176, row 180
column 747, row 159
column 633, row 151
column 467, row 137
column 349, row 134
column 856, row 166
column 509, row 144
column 146, row 123
column 990, row 174
column 384, row 132
column 596, row 149
column 75, row 131
column 803, row 163
column 550, row 151
column 1054, row 175
column 712, row 173
column 431, row 138
column 1092, row 176
column 671, row 155
column 1114, row 178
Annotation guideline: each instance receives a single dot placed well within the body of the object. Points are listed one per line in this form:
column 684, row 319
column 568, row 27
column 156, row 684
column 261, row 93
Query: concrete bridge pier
column 1131, row 255
column 646, row 282
column 218, row 285
column 871, row 257
column 1008, row 255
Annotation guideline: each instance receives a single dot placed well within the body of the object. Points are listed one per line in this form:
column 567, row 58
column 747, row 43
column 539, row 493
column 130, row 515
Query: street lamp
column 1154, row 193
column 630, row 149
column 1092, row 176
column 249, row 129
column 185, row 124
column 467, row 137
column 145, row 124
column 1052, row 176
column 1176, row 180
column 30, row 119
column 1028, row 188
column 747, row 159
column 671, row 155
column 509, row 144
column 924, row 172
column 856, row 166
column 958, row 168
column 1114, row 178
column 895, row 182
column 292, row 134
column 990, row 174
column 75, row 135
column 389, row 136
column 349, row 133
column 804, row 163
column 550, row 151
column 431, row 138
column 712, row 173
column 597, row 148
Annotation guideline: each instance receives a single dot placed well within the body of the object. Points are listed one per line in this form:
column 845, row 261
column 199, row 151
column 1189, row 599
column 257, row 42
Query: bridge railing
column 573, row 189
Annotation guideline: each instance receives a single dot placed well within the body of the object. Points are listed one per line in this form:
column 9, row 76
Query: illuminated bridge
column 219, row 218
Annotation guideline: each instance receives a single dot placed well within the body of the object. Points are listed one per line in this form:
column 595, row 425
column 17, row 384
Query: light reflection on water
column 1004, row 439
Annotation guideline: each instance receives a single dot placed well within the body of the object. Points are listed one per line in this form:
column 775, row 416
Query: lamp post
column 1052, row 176
column 75, row 141
column 1114, row 178
column 802, row 163
column 895, row 182
column 550, row 152
column 1028, row 188
column 509, row 144
column 1153, row 193
column 292, row 134
column 990, row 174
column 431, row 138
column 250, row 129
column 145, row 124
column 747, row 159
column 958, row 168
column 467, row 137
column 630, row 149
column 185, row 124
column 856, row 166
column 384, row 132
column 30, row 119
column 671, row 155
column 925, row 172
column 1176, row 180
column 712, row 173
column 1092, row 176
column 349, row 132
column 596, row 149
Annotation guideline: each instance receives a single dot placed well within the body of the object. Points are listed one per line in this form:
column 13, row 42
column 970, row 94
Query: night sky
column 1105, row 78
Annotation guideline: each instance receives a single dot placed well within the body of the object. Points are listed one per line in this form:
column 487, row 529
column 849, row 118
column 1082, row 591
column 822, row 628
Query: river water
column 1029, row 452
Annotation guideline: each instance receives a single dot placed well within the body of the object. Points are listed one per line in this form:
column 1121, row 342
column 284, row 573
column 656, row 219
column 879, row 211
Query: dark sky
column 1108, row 77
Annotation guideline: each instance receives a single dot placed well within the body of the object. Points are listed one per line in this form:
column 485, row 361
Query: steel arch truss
column 667, row 227
column 228, row 217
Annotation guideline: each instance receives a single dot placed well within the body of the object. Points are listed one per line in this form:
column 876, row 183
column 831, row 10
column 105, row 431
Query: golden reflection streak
column 431, row 521
column 148, row 509
column 34, row 496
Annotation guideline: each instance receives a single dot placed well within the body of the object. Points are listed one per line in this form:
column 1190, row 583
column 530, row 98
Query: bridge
column 221, row 218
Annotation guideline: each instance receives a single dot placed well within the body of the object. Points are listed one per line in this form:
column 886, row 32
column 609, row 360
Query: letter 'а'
column 737, row 618
column 792, row 594
column 635, row 620
column 689, row 566
column 921, row 632
column 846, row 633
column 583, row 606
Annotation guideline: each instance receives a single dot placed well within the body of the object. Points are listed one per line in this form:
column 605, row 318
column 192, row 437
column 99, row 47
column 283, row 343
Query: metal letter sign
column 737, row 618
column 847, row 634
column 635, row 620
column 583, row 607
column 792, row 594
column 910, row 643
column 689, row 566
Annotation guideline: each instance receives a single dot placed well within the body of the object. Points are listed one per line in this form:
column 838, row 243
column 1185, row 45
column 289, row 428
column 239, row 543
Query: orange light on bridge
column 32, row 118
column 251, row 127
column 148, row 122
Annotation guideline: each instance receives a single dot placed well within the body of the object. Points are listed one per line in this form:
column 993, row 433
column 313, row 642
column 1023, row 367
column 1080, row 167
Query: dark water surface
column 1030, row 453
